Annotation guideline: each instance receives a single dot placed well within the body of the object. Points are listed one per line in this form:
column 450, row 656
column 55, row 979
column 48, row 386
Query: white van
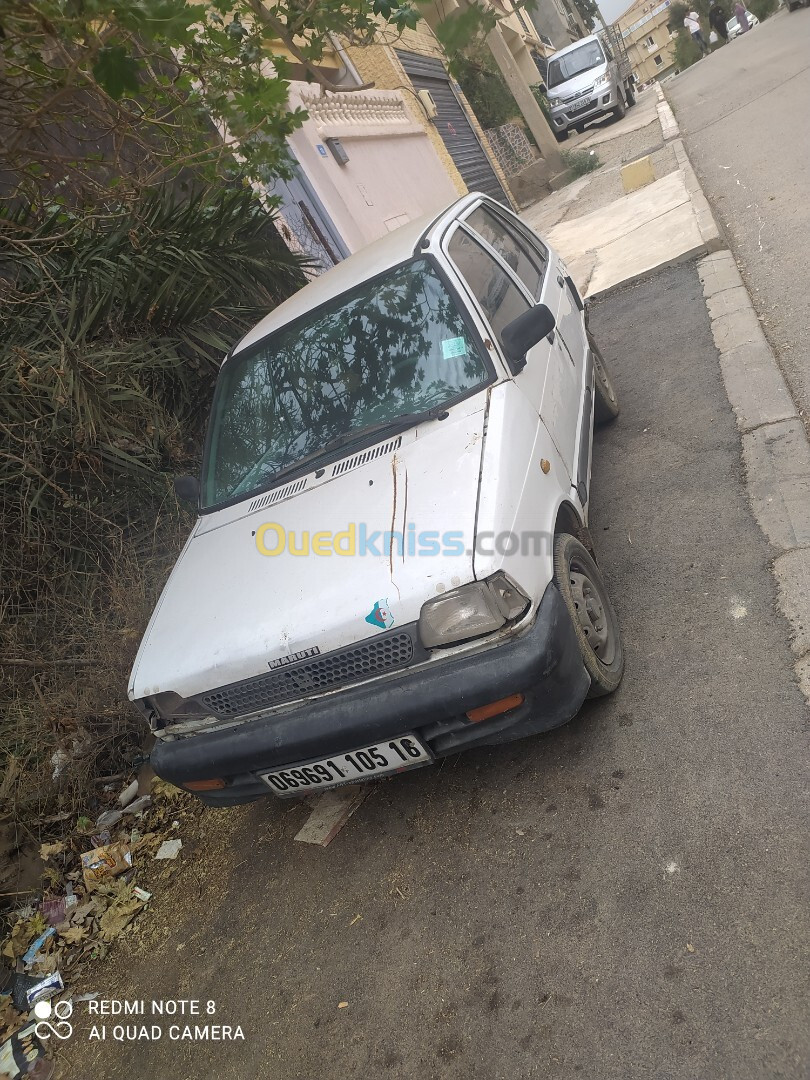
column 589, row 80
column 391, row 561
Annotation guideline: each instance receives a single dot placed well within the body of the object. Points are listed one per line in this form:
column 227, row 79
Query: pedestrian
column 692, row 24
column 718, row 21
column 742, row 17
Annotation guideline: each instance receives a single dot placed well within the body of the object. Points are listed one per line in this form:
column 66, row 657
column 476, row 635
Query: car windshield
column 395, row 346
column 563, row 68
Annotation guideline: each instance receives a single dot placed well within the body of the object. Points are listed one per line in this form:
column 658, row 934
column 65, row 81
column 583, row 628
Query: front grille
column 577, row 95
column 362, row 661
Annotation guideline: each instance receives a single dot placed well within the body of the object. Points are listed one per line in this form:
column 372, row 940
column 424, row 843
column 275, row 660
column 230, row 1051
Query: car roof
column 574, row 45
column 380, row 255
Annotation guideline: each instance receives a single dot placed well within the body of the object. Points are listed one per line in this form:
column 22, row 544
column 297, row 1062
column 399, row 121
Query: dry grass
column 112, row 323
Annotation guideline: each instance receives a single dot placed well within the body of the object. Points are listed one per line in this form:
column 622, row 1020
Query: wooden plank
column 330, row 812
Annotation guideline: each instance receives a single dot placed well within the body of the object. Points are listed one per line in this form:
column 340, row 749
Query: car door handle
column 560, row 280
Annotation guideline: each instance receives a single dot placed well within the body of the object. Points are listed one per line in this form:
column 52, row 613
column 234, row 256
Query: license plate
column 581, row 106
column 396, row 755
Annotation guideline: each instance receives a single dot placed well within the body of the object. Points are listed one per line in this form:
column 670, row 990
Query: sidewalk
column 607, row 237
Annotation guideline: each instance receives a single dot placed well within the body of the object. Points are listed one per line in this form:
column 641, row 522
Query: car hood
column 227, row 611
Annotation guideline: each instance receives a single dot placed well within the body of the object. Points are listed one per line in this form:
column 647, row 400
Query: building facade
column 368, row 160
column 558, row 22
column 650, row 45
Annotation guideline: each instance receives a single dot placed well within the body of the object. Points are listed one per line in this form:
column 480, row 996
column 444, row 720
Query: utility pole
column 526, row 101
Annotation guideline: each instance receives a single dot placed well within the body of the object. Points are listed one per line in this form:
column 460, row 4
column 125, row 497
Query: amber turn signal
column 495, row 708
column 204, row 785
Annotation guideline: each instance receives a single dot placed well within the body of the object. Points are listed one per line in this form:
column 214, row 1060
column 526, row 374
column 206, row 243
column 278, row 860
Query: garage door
column 452, row 124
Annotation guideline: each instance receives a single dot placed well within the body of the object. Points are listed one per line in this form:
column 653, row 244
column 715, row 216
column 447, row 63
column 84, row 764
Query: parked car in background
column 391, row 561
column 734, row 28
column 588, row 80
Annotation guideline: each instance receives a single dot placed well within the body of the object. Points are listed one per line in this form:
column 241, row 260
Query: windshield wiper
column 394, row 423
column 348, row 438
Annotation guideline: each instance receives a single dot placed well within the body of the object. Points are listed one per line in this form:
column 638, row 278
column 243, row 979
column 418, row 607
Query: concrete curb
column 703, row 212
column 666, row 117
column 775, row 450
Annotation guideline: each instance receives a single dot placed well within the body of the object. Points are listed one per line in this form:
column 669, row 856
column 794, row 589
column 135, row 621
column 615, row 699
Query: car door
column 551, row 379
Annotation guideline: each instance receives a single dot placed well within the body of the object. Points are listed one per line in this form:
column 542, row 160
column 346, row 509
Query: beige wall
column 642, row 56
column 393, row 174
column 379, row 63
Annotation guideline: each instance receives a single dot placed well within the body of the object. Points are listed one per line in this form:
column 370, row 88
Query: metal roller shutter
column 452, row 124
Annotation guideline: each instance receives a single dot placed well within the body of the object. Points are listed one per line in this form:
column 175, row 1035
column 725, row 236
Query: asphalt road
column 623, row 899
column 745, row 120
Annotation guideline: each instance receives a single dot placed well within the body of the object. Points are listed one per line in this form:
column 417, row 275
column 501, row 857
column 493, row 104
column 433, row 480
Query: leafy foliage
column 111, row 330
column 542, row 100
column 677, row 13
column 464, row 28
column 580, row 162
column 102, row 94
column 687, row 51
column 588, row 12
column 484, row 87
column 762, row 8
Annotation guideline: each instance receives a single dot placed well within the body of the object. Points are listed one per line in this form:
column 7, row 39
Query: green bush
column 485, row 88
column 762, row 8
column 580, row 162
column 542, row 101
column 113, row 323
column 687, row 51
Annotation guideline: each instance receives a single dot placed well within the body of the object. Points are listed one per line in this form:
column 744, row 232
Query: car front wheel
column 606, row 401
column 595, row 624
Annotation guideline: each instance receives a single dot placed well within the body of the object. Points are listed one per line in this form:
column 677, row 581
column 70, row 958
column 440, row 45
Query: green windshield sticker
column 454, row 346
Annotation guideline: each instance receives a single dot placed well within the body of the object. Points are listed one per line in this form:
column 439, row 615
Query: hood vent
column 277, row 494
column 365, row 456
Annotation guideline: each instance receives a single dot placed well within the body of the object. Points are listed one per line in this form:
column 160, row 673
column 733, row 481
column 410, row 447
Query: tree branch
column 283, row 34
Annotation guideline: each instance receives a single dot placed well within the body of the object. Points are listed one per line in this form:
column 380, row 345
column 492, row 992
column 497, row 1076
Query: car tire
column 583, row 590
column 621, row 109
column 605, row 399
column 561, row 136
column 631, row 97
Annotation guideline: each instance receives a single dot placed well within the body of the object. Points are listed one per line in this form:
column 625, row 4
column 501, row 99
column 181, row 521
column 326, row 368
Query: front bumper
column 564, row 117
column 543, row 663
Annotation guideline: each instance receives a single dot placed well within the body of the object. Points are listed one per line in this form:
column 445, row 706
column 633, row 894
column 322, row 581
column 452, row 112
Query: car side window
column 496, row 292
column 528, row 261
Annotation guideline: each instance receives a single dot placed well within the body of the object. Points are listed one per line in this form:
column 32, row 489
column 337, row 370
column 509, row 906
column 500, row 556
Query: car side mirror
column 187, row 488
column 524, row 332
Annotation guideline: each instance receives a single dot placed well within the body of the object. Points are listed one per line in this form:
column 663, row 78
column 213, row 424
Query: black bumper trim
column 543, row 663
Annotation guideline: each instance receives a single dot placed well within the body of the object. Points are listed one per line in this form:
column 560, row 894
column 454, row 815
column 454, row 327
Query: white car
column 734, row 28
column 391, row 561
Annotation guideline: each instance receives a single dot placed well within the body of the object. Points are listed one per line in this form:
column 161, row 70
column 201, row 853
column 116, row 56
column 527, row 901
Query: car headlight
column 601, row 80
column 169, row 708
column 471, row 611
